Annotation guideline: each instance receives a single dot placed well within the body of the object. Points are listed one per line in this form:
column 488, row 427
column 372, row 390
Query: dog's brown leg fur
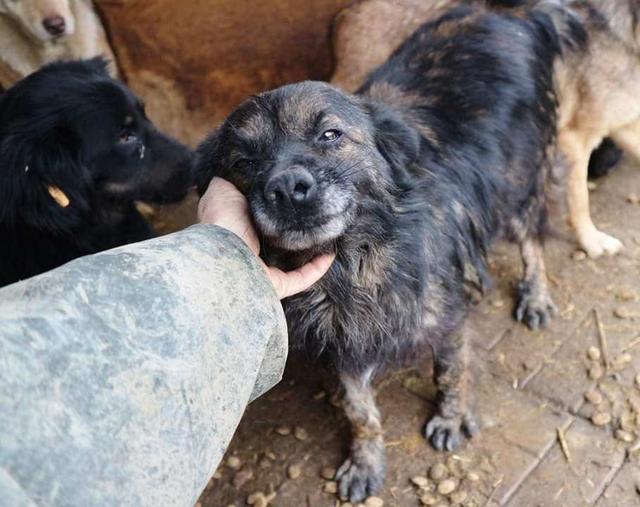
column 454, row 418
column 363, row 472
column 577, row 151
column 535, row 306
column 628, row 138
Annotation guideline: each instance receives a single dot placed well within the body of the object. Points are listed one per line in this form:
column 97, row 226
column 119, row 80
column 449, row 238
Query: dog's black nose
column 55, row 25
column 295, row 185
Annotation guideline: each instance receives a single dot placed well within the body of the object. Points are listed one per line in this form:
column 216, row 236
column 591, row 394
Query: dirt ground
column 543, row 443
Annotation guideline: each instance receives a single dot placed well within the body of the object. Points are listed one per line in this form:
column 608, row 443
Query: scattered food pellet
column 626, row 358
column 374, row 501
column 633, row 198
column 594, row 397
column 438, row 472
column 623, row 313
column 283, row 430
column 421, row 482
column 601, row 418
column 294, row 471
column 234, row 462
column 594, row 353
column 320, row 395
column 300, row 433
column 592, row 185
column 473, row 477
column 330, row 487
column 242, row 477
column 328, row 473
column 595, row 371
column 498, row 303
column 458, row 496
column 579, row 255
column 626, row 295
column 218, row 474
column 624, row 436
column 257, row 499
column 428, row 499
column 447, row 486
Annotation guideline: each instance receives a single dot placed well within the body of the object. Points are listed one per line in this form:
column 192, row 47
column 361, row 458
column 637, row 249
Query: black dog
column 445, row 148
column 76, row 151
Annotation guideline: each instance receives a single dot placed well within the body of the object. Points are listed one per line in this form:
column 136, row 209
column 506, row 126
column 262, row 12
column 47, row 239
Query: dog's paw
column 535, row 307
column 362, row 474
column 597, row 243
column 447, row 433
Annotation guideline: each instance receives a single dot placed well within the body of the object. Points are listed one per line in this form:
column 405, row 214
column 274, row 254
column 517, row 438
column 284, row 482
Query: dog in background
column 36, row 32
column 356, row 53
column 76, row 151
column 599, row 92
column 445, row 148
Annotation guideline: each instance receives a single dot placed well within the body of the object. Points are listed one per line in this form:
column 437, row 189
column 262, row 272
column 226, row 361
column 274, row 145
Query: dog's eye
column 331, row 135
column 126, row 137
column 243, row 163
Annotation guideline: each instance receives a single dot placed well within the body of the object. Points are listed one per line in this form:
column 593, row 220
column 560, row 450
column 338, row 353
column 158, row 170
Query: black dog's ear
column 397, row 141
column 43, row 182
column 205, row 165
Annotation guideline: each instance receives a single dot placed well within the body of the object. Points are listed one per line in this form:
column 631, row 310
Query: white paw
column 597, row 243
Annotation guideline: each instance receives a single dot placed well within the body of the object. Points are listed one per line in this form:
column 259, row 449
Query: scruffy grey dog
column 445, row 148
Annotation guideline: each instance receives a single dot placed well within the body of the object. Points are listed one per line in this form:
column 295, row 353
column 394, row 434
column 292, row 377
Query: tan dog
column 599, row 93
column 36, row 32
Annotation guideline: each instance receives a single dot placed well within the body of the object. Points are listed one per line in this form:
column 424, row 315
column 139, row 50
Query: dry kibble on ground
column 374, row 501
column 294, row 471
column 601, row 418
column 428, row 499
column 421, row 482
column 593, row 353
column 594, row 397
column 300, row 433
column 447, row 486
column 242, row 477
column 438, row 472
column 328, row 473
column 473, row 477
column 595, row 371
column 330, row 487
column 579, row 255
column 234, row 462
column 283, row 430
column 218, row 474
column 633, row 198
column 257, row 499
column 624, row 436
column 458, row 497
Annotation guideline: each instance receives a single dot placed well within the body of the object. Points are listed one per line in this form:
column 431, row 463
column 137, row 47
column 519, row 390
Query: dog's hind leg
column 535, row 306
column 454, row 417
column 362, row 474
column 577, row 152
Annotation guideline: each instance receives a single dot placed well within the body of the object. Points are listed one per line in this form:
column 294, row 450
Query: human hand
column 224, row 205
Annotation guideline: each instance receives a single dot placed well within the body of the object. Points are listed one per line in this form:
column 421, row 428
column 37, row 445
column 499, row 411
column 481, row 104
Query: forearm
column 124, row 374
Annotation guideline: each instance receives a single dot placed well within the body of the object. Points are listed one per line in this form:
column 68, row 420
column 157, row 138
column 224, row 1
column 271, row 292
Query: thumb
column 292, row 282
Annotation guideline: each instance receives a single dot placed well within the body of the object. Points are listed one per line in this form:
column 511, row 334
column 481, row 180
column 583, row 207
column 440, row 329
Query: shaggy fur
column 76, row 150
column 445, row 148
column 357, row 54
column 36, row 32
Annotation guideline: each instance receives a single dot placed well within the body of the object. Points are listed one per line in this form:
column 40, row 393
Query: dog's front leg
column 454, row 417
column 535, row 306
column 362, row 474
column 577, row 151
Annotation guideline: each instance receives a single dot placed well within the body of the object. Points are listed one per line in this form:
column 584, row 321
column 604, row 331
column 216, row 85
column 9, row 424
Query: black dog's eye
column 126, row 137
column 331, row 135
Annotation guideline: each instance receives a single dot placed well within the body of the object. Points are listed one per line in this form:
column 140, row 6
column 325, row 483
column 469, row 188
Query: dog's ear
column 43, row 181
column 398, row 142
column 205, row 166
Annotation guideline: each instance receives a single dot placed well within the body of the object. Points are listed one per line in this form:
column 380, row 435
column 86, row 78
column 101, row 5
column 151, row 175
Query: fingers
column 224, row 205
column 299, row 280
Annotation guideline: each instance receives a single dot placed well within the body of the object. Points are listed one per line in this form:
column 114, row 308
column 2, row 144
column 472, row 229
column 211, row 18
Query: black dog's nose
column 295, row 185
column 55, row 25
